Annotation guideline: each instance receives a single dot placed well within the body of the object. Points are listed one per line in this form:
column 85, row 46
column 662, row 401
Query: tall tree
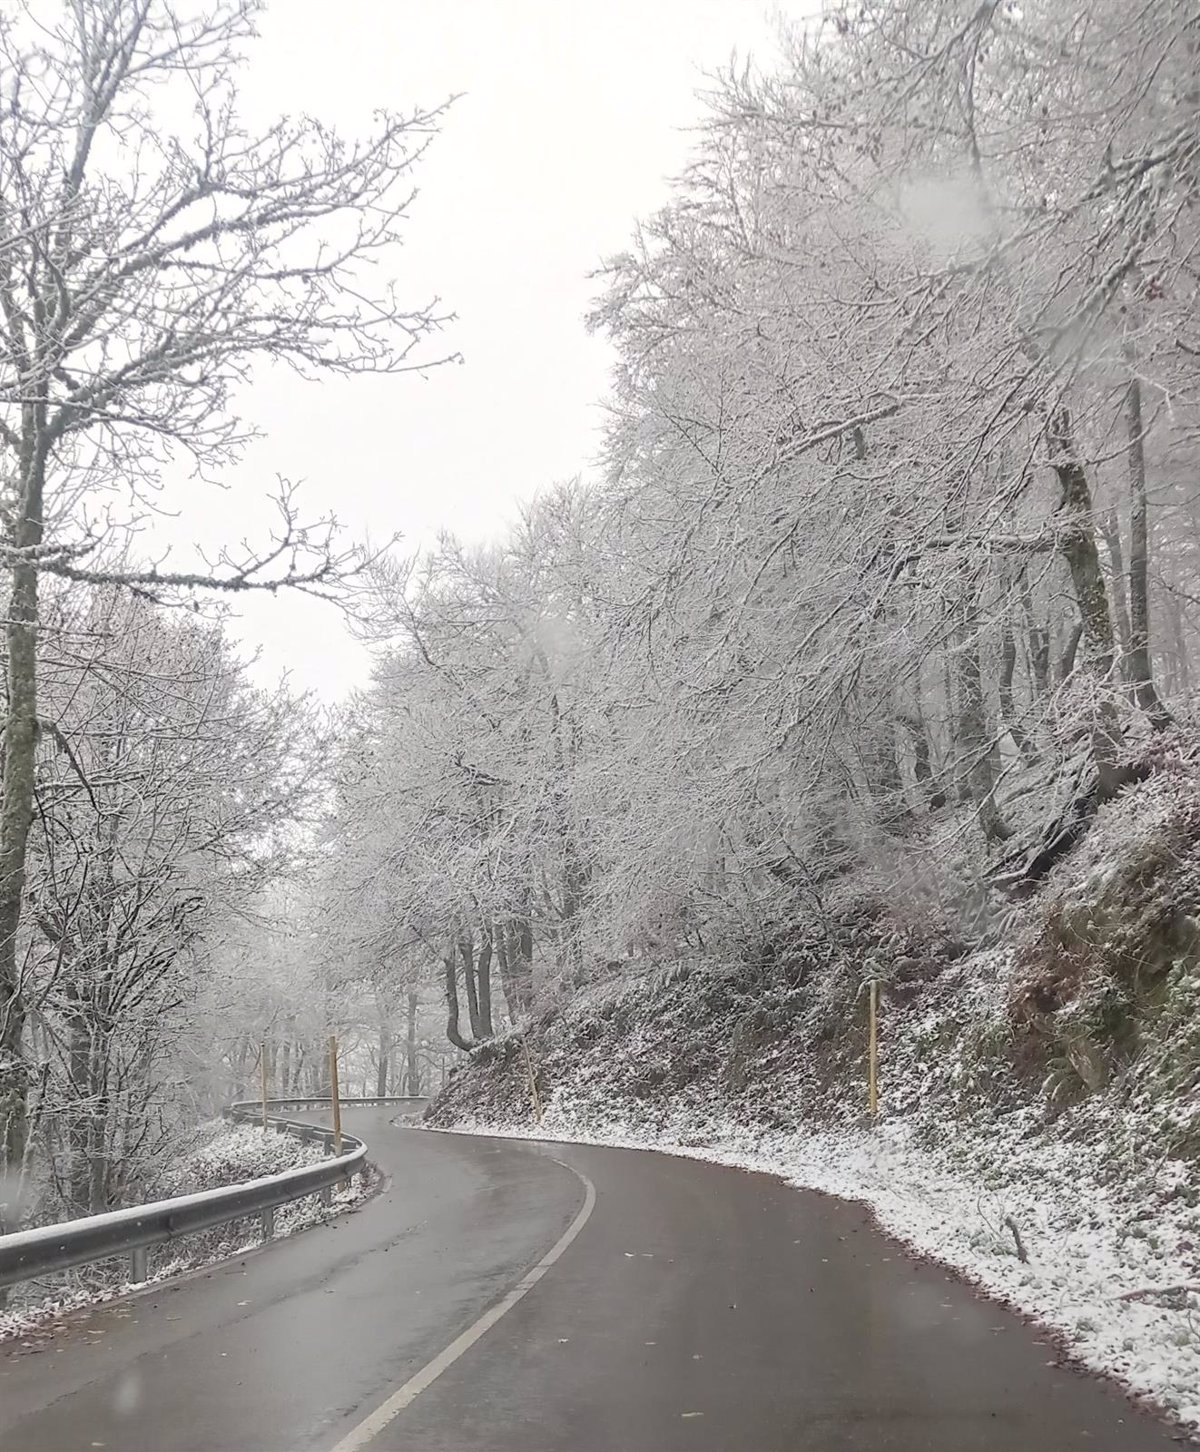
column 144, row 262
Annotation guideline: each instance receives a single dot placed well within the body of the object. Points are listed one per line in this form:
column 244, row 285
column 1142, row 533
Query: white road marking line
column 368, row 1429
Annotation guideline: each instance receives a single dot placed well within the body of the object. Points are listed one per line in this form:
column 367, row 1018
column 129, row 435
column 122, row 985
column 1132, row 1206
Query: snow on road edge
column 1080, row 1263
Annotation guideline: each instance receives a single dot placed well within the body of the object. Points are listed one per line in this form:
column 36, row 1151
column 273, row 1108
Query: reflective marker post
column 334, row 1095
column 873, row 1053
column 534, row 1096
column 262, row 1050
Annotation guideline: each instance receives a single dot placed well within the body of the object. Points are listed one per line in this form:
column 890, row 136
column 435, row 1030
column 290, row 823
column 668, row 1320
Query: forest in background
column 890, row 579
column 887, row 583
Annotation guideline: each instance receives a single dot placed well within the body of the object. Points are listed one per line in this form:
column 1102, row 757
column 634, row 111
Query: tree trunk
column 525, row 946
column 923, row 761
column 412, row 1078
column 575, row 878
column 1140, row 673
column 466, row 950
column 383, row 1068
column 500, row 938
column 1008, row 663
column 483, row 979
column 1066, row 661
column 99, row 1161
column 1110, row 526
column 451, row 980
column 976, row 762
column 79, row 1061
column 16, row 811
column 1077, row 542
column 520, row 962
column 1182, row 679
column 1039, row 642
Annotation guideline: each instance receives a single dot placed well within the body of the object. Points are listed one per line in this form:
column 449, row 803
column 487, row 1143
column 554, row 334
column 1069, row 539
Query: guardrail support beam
column 268, row 1223
column 139, row 1269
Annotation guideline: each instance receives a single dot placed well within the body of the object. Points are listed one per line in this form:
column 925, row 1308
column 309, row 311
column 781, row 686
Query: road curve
column 698, row 1308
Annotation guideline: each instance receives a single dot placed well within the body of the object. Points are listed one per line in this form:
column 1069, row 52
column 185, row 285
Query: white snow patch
column 1084, row 1249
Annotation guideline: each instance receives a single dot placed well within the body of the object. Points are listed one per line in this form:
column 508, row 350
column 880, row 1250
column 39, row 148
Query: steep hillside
column 1040, row 1120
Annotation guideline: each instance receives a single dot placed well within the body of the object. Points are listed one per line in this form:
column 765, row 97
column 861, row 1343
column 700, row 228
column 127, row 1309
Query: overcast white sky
column 573, row 115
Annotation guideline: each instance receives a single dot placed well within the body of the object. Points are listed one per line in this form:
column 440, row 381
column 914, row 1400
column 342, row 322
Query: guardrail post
column 326, row 1196
column 139, row 1270
column 268, row 1223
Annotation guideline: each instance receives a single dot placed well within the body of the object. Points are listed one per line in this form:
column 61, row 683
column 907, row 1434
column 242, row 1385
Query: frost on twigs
column 1060, row 1070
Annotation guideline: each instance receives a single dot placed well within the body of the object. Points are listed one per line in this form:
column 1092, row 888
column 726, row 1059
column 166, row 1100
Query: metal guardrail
column 50, row 1248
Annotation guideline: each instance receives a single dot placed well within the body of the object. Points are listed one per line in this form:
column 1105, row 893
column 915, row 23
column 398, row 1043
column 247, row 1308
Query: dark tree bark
column 451, row 980
column 500, row 938
column 483, row 981
column 1077, row 543
column 1008, row 664
column 977, row 750
column 466, row 949
column 525, row 947
column 520, row 961
column 1070, row 652
column 16, row 810
column 1140, row 672
column 923, row 761
column 1110, row 527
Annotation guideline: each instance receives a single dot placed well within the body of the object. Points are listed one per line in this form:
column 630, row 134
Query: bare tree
column 163, row 807
column 143, row 265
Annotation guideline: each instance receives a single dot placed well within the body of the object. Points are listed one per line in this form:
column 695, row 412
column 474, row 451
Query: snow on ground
column 1045, row 1086
column 221, row 1154
column 1085, row 1249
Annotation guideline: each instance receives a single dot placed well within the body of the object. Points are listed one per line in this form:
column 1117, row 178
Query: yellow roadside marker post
column 873, row 1053
column 534, row 1096
column 334, row 1094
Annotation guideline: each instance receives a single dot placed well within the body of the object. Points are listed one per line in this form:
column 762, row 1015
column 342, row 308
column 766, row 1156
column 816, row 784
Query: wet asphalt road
column 699, row 1308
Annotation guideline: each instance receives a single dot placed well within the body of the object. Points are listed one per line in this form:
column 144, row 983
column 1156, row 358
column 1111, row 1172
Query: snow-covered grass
column 220, row 1154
